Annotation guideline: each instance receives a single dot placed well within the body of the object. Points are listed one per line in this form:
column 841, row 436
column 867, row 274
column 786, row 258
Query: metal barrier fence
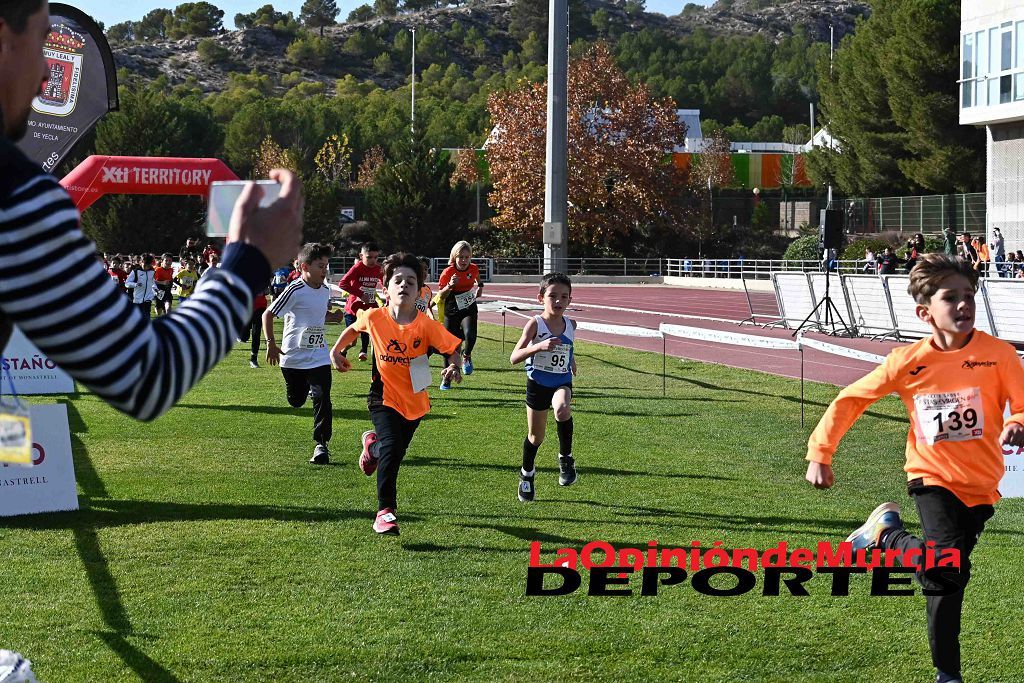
column 756, row 269
column 879, row 306
column 925, row 214
column 752, row 269
column 636, row 267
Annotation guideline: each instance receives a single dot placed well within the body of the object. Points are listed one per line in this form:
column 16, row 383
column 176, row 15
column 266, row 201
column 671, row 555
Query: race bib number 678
column 950, row 416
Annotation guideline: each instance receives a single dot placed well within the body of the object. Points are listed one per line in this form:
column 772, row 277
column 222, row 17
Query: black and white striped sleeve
column 54, row 289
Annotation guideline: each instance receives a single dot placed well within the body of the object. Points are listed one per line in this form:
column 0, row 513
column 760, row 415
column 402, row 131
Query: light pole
column 412, row 125
column 556, row 196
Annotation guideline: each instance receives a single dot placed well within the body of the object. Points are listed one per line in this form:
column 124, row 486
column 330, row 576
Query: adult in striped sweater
column 40, row 239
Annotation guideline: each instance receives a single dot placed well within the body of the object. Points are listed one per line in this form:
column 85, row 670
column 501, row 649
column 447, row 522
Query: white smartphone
column 224, row 194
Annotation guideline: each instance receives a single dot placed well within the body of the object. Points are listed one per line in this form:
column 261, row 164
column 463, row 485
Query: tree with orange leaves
column 621, row 181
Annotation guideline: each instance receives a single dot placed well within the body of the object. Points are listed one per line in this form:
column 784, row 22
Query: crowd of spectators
column 990, row 259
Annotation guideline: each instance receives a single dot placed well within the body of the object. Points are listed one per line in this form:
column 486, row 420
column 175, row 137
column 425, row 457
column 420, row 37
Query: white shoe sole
column 873, row 518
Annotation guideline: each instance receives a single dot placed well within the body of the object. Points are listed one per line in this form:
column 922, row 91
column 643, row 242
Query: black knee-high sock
column 565, row 437
column 529, row 455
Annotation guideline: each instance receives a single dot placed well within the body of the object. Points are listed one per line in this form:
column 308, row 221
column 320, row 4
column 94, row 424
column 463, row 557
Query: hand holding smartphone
column 224, row 195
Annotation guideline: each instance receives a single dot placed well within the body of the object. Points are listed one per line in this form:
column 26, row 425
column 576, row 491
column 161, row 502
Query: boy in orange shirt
column 164, row 278
column 402, row 337
column 954, row 385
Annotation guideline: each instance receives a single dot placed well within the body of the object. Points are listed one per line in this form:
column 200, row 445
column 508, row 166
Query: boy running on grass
column 163, row 276
column 402, row 336
column 361, row 282
column 547, row 347
column 954, row 385
column 304, row 357
column 186, row 280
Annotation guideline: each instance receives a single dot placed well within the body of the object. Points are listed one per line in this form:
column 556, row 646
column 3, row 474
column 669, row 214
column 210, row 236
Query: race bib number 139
column 951, row 416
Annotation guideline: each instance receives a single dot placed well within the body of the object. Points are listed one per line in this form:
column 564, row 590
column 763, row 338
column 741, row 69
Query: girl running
column 460, row 286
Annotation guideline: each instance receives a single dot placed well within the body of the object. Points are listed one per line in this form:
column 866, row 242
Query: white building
column 991, row 91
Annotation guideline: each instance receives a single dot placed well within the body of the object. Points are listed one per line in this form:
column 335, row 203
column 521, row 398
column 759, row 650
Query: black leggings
column 950, row 523
column 394, row 433
column 313, row 383
column 463, row 325
column 254, row 330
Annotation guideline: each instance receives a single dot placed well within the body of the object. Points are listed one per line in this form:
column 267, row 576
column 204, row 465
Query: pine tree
column 412, row 205
column 891, row 104
column 318, row 13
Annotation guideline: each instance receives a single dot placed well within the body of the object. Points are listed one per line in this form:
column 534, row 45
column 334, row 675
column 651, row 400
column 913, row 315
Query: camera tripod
column 832, row 317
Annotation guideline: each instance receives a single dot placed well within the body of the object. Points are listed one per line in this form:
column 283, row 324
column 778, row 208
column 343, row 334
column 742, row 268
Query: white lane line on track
column 711, row 346
column 740, row 312
column 620, row 308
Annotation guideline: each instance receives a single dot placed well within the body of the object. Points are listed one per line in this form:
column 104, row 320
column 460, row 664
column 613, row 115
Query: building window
column 993, row 66
column 981, row 68
column 967, row 69
column 1006, row 51
column 1018, row 63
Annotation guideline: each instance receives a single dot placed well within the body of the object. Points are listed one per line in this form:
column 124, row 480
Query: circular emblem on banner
column 63, row 51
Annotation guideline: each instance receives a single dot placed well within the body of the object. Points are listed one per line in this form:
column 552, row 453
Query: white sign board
column 48, row 484
column 1012, row 484
column 32, row 372
column 348, row 214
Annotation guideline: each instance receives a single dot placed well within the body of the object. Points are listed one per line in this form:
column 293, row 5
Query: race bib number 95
column 555, row 361
column 952, row 416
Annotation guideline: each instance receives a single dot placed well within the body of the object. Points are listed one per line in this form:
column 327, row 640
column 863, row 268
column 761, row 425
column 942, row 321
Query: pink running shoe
column 386, row 522
column 367, row 462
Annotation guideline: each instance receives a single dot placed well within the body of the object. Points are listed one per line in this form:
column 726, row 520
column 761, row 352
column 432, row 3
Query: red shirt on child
column 361, row 282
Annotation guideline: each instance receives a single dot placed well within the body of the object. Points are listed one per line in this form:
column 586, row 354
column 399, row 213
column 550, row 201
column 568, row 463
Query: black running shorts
column 539, row 396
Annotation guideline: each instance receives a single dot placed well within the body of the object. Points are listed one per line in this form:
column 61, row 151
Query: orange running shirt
column 955, row 401
column 423, row 299
column 463, row 280
column 395, row 349
column 161, row 274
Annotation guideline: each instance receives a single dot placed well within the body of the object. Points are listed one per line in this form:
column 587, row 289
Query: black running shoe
column 566, row 470
column 321, row 456
column 526, row 488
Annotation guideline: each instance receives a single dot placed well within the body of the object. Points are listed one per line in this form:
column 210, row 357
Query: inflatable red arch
column 100, row 175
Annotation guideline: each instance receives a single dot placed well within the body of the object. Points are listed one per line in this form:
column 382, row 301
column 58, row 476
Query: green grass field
column 207, row 549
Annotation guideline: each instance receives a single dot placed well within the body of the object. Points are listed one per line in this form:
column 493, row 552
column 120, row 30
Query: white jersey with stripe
column 552, row 368
column 304, row 310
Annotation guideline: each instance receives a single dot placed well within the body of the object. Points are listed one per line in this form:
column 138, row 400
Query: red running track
column 650, row 305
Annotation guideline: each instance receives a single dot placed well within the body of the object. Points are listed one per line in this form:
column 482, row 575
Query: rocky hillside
column 265, row 50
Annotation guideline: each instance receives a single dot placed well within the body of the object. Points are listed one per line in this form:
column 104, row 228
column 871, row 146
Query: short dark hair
column 368, row 247
column 404, row 260
column 17, row 12
column 313, row 251
column 554, row 279
column 932, row 269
